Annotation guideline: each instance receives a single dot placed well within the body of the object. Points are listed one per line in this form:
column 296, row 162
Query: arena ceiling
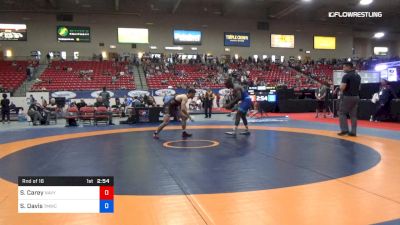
column 262, row 10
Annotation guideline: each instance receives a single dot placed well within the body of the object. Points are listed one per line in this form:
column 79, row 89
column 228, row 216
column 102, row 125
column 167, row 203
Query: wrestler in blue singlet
column 245, row 101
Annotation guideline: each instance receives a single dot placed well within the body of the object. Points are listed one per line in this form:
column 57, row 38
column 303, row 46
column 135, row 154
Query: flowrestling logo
column 163, row 92
column 138, row 93
column 355, row 14
column 63, row 94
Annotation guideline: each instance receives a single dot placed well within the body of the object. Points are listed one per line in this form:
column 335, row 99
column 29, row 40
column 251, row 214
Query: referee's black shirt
column 353, row 81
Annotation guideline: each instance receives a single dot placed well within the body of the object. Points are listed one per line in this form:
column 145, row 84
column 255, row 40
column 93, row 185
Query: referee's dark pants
column 348, row 106
column 208, row 108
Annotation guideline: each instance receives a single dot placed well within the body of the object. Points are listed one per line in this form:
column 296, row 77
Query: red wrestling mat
column 363, row 123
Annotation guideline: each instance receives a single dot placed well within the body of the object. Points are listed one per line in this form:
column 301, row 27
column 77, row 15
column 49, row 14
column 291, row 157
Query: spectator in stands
column 320, row 95
column 105, row 97
column 81, row 104
column 31, row 73
column 5, row 109
column 208, row 100
column 48, row 57
column 38, row 114
column 113, row 79
column 385, row 96
column 28, row 73
column 99, row 102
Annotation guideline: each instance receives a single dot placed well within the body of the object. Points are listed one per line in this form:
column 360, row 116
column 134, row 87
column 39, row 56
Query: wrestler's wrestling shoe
column 155, row 135
column 232, row 133
column 246, row 132
column 186, row 134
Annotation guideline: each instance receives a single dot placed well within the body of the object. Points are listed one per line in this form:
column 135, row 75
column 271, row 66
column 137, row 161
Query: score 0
column 106, row 199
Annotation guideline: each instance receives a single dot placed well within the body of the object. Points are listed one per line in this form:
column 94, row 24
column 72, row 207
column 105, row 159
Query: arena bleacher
column 13, row 74
column 277, row 75
column 84, row 75
column 320, row 72
column 181, row 75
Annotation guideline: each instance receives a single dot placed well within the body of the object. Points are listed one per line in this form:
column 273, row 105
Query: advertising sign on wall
column 13, row 32
column 239, row 39
column 73, row 34
column 187, row 37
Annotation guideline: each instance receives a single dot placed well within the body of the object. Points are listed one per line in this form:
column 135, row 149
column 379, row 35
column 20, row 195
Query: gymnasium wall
column 364, row 44
column 42, row 35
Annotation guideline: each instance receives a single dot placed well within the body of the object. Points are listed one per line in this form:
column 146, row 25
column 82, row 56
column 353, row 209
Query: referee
column 350, row 90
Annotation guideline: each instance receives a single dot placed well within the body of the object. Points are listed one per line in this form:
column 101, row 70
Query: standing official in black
column 350, row 96
column 5, row 109
column 208, row 103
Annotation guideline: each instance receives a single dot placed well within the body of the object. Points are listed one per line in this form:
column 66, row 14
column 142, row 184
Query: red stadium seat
column 56, row 78
column 87, row 114
column 101, row 115
column 10, row 77
column 72, row 114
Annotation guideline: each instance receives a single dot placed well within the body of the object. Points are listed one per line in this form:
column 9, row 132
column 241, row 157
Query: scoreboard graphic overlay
column 65, row 194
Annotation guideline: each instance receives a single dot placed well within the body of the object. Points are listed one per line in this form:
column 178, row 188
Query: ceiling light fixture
column 177, row 48
column 379, row 35
column 366, row 2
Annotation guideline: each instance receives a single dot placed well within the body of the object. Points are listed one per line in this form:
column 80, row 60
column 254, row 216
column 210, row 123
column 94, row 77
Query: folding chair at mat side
column 72, row 113
column 86, row 115
column 53, row 117
column 101, row 115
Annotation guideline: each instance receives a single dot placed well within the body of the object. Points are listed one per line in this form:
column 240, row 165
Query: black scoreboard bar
column 65, row 181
